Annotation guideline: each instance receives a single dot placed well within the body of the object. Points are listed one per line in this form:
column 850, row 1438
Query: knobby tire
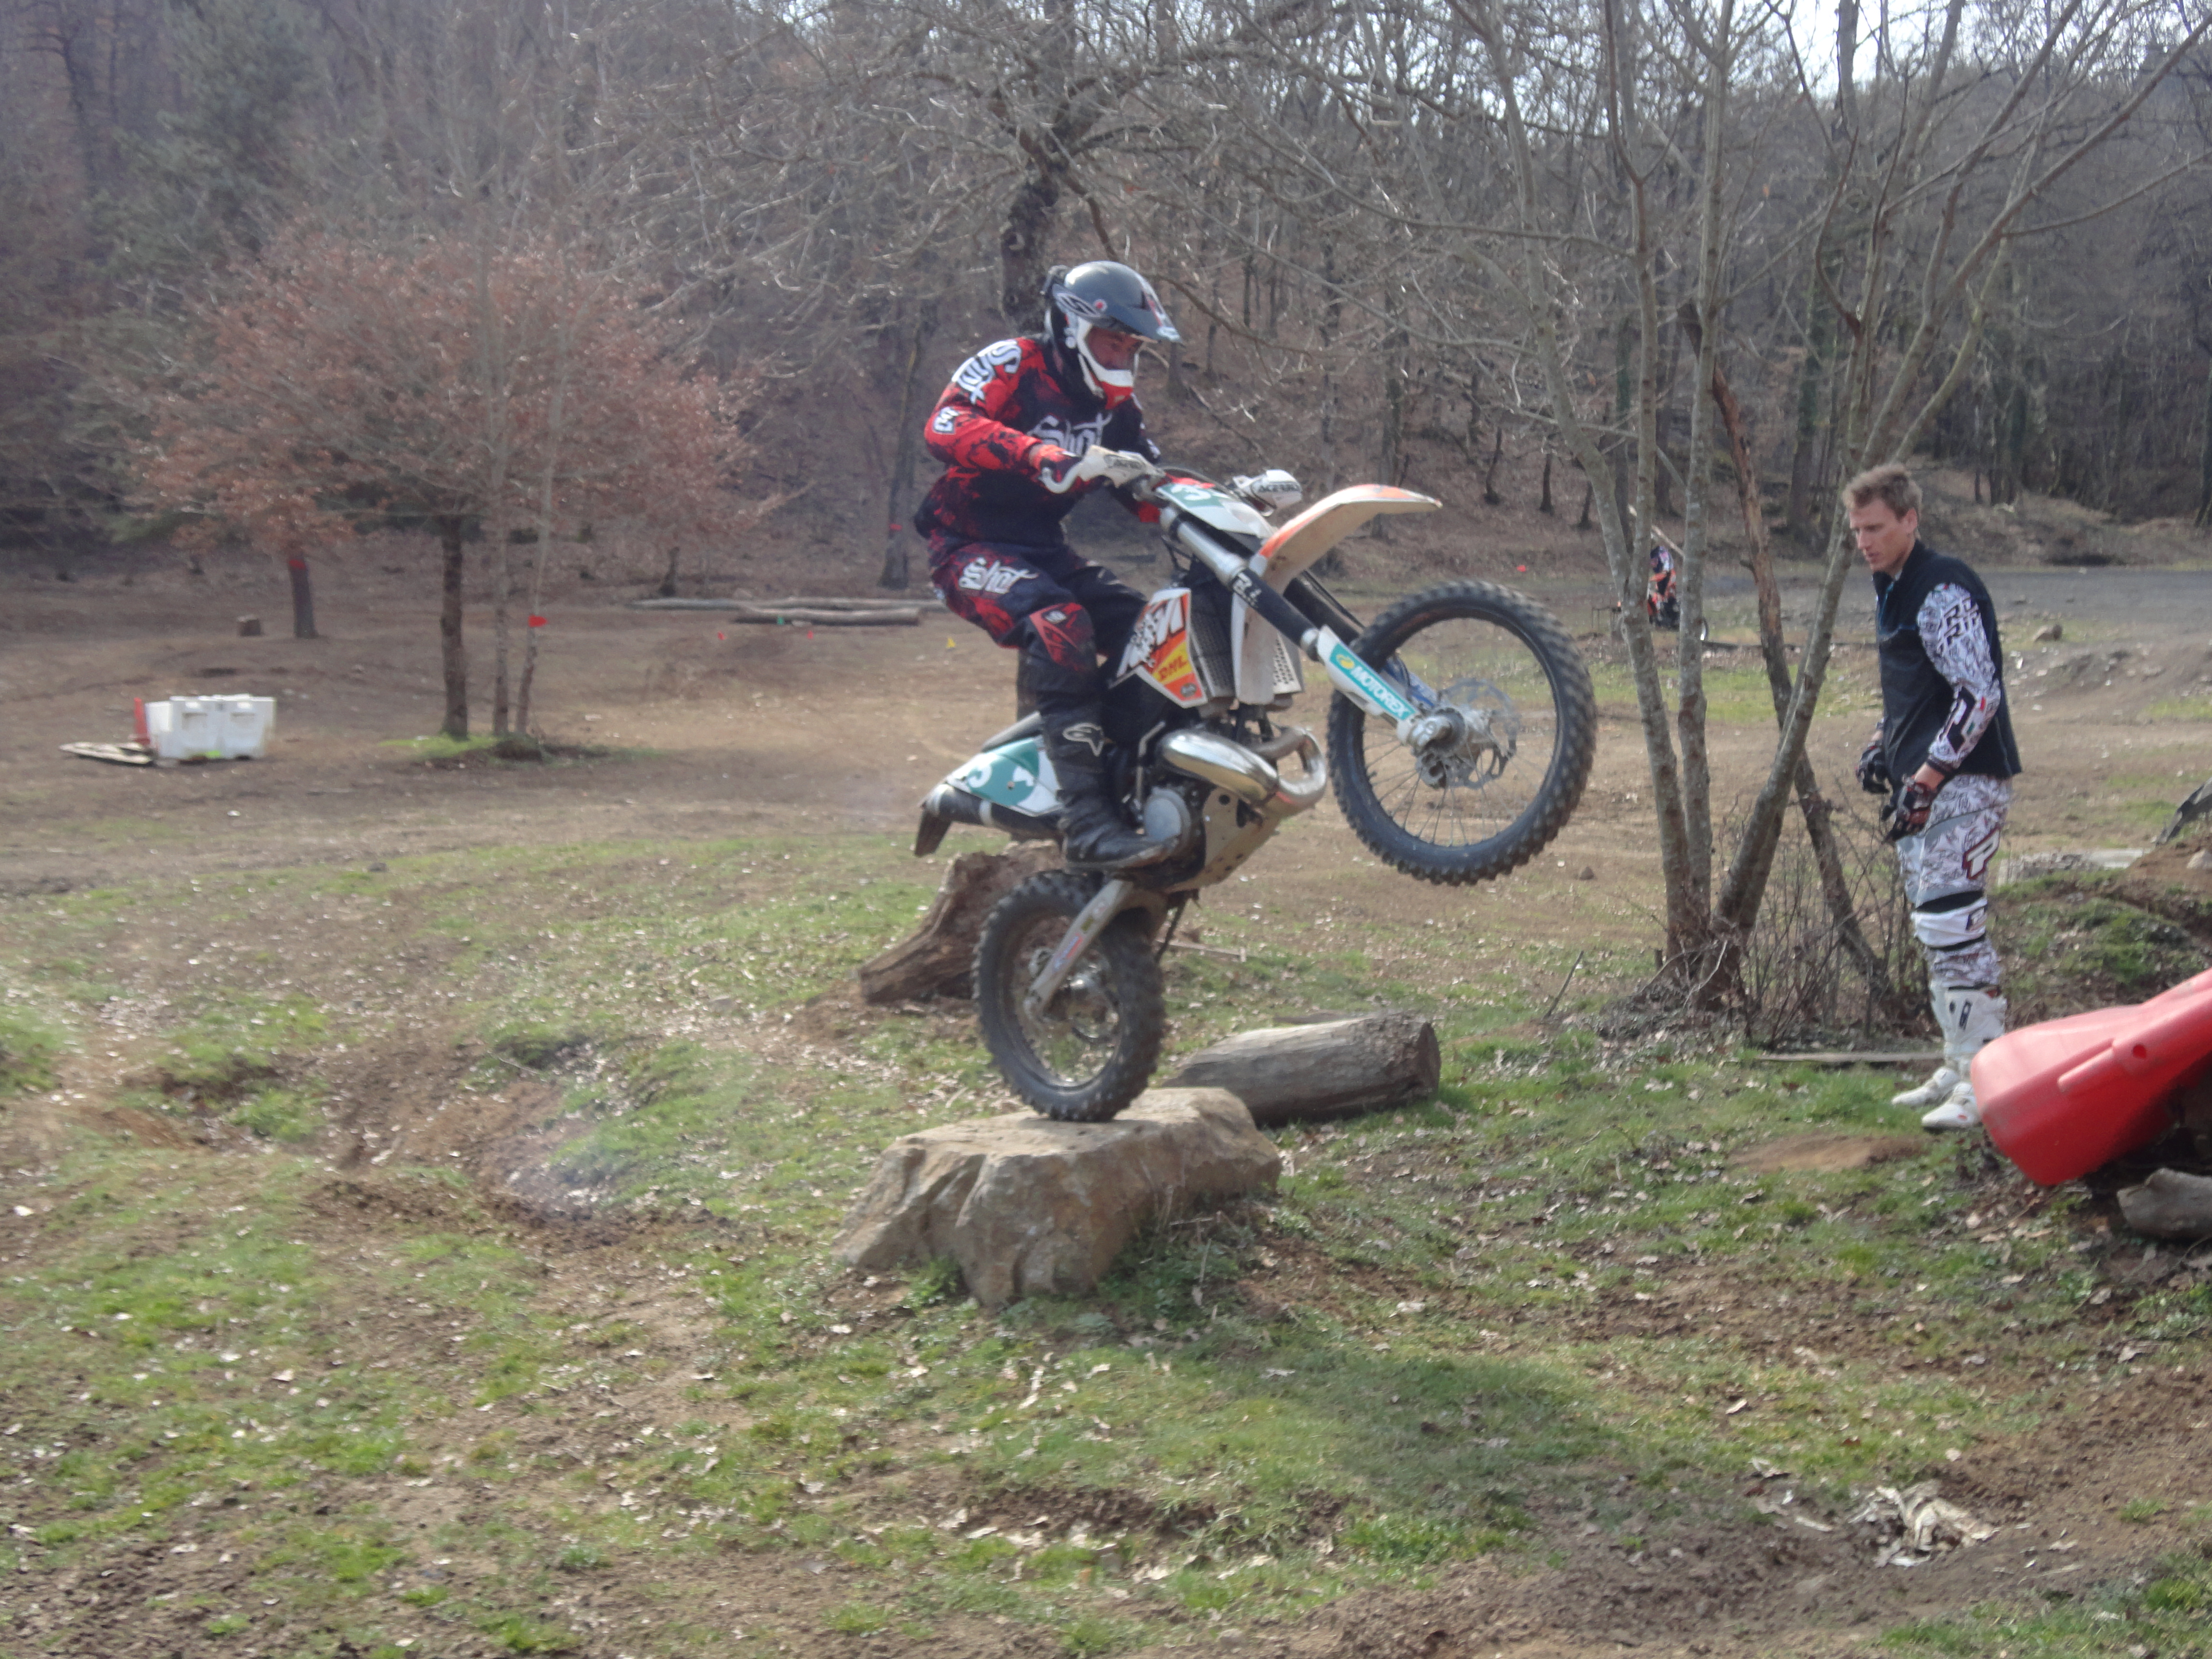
column 1114, row 990
column 1358, row 745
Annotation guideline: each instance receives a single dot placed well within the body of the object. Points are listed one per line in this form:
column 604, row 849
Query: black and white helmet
column 1110, row 311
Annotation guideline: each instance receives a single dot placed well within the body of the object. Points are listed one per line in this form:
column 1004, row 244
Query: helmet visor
column 1111, row 349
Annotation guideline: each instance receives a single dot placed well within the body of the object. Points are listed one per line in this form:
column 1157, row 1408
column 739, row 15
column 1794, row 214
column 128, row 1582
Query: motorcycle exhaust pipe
column 1301, row 794
column 1247, row 777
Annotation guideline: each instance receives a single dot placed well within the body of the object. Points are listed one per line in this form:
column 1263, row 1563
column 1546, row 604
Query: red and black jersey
column 1005, row 410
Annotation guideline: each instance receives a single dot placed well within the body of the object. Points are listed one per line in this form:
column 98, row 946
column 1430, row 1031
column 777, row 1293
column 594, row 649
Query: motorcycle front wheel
column 1505, row 764
column 1091, row 1049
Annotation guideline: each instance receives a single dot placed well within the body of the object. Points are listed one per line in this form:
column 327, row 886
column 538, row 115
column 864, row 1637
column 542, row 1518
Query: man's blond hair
column 1890, row 483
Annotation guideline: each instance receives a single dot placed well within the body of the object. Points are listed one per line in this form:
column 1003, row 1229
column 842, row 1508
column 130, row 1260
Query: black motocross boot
column 1093, row 833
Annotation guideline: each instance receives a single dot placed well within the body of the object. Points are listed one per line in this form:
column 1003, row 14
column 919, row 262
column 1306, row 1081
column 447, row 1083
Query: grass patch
column 28, row 1050
column 404, row 1406
column 2197, row 707
column 2161, row 1612
column 2072, row 942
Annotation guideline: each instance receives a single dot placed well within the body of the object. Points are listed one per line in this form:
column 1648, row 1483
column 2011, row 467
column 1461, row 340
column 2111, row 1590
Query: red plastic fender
column 2064, row 1097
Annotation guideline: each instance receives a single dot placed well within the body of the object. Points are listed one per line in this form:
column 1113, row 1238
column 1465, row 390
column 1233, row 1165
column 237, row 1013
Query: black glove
column 1874, row 769
column 1908, row 814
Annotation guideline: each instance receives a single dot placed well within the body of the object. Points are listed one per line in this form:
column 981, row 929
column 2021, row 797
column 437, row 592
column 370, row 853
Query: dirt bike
column 1459, row 738
column 1663, row 608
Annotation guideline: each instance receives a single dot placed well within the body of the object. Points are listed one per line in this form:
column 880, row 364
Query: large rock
column 1028, row 1206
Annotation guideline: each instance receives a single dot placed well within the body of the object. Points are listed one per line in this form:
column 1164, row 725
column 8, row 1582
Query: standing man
column 1026, row 427
column 1945, row 756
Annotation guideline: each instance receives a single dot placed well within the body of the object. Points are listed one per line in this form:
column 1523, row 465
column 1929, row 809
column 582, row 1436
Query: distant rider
column 1026, row 428
column 1945, row 756
column 1660, row 594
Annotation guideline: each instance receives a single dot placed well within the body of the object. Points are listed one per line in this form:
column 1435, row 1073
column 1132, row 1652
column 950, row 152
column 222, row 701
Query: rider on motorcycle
column 1026, row 427
column 1660, row 600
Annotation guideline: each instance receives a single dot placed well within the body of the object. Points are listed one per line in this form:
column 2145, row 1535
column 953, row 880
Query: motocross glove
column 1874, row 768
column 1060, row 471
column 1907, row 815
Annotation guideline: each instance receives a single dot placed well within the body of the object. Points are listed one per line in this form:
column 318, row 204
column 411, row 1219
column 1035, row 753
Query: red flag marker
column 537, row 622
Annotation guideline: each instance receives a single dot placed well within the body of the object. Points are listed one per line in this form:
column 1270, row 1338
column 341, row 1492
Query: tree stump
column 2169, row 1205
column 940, row 959
column 1292, row 1074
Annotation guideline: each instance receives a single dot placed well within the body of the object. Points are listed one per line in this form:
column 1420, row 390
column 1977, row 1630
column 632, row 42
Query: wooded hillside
column 1375, row 223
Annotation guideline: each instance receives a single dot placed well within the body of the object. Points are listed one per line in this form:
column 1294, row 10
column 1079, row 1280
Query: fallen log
column 812, row 613
column 1292, row 1073
column 939, row 958
column 1854, row 1057
column 2169, row 1205
column 831, row 618
column 804, row 602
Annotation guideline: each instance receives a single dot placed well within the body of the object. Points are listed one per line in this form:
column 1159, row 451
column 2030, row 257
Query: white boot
column 1944, row 1079
column 1972, row 1019
column 1946, row 1076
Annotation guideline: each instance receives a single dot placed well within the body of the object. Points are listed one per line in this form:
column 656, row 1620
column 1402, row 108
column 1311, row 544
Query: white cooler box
column 207, row 728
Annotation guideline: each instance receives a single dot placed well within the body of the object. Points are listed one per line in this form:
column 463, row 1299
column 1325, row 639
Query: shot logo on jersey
column 974, row 377
column 1073, row 436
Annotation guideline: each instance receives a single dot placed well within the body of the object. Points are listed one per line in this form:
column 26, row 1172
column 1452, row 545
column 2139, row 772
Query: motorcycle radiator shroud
column 1193, row 649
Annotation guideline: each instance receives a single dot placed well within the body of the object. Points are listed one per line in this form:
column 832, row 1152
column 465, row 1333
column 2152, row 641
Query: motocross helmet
column 1109, row 311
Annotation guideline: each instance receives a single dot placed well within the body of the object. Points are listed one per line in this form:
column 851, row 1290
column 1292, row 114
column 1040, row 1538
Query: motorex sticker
column 1385, row 695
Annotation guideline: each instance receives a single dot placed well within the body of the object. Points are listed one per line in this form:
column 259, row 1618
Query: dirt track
column 724, row 729
column 727, row 727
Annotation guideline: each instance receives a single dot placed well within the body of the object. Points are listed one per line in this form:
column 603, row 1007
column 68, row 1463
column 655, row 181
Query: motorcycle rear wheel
column 1091, row 1050
column 1500, row 658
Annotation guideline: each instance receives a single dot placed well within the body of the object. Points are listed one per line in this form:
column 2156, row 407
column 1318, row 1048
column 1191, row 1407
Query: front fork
column 1090, row 922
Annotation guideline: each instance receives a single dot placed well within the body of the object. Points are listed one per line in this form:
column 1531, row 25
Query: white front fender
column 1298, row 544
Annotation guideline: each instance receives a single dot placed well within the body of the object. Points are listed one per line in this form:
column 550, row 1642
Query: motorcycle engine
column 1169, row 816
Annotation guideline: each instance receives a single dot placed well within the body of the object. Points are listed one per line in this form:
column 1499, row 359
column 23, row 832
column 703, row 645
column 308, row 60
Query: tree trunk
column 1700, row 327
column 1828, row 857
column 451, row 649
column 1812, row 375
column 1544, row 502
column 1023, row 241
column 668, row 576
column 939, row 958
column 1490, row 496
column 1025, row 236
column 1394, row 391
column 906, row 444
column 523, row 681
column 503, row 582
column 1618, row 450
column 303, row 598
column 1294, row 1073
column 2205, row 459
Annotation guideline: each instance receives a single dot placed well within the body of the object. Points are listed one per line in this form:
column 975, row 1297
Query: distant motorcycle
column 1460, row 740
column 1662, row 606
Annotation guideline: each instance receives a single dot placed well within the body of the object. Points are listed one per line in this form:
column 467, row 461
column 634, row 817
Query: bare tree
column 338, row 384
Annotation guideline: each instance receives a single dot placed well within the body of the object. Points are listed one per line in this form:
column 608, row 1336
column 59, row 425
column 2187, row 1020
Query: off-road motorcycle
column 1459, row 738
